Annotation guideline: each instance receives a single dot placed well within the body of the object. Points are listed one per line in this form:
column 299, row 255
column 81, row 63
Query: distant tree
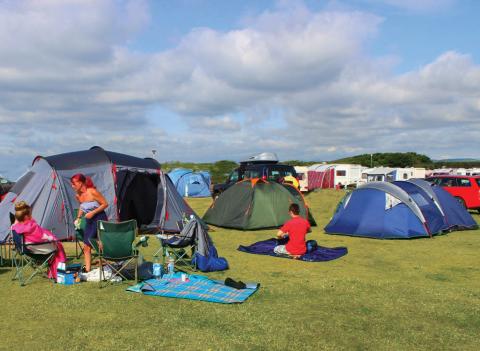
column 298, row 163
column 221, row 169
column 391, row 159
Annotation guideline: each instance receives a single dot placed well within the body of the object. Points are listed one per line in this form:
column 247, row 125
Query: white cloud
column 292, row 81
column 418, row 5
column 225, row 123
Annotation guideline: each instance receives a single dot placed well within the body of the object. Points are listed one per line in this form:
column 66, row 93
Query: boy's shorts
column 281, row 250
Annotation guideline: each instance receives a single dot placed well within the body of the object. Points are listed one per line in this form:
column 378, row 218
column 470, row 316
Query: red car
column 466, row 189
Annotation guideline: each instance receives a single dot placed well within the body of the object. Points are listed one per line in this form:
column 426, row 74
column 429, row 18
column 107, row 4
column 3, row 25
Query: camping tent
column 402, row 209
column 190, row 183
column 135, row 188
column 255, row 204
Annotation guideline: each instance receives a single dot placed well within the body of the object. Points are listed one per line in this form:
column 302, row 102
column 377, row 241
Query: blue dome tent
column 402, row 209
column 191, row 184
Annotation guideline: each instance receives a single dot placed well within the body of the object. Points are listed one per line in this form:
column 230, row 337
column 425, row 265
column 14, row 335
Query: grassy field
column 384, row 295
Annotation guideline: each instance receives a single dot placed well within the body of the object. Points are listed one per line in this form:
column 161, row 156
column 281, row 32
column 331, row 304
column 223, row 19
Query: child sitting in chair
column 296, row 229
column 34, row 234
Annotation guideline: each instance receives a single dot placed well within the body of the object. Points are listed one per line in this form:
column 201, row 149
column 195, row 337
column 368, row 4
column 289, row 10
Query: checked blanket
column 197, row 288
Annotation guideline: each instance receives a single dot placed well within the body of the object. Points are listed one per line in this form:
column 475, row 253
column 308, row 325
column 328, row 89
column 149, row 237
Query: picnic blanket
column 197, row 288
column 319, row 254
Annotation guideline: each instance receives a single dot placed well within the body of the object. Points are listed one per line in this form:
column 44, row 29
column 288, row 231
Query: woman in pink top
column 34, row 234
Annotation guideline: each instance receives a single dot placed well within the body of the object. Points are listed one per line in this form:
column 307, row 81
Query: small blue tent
column 190, row 183
column 402, row 209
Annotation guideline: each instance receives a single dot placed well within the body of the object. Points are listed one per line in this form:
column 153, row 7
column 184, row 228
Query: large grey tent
column 135, row 188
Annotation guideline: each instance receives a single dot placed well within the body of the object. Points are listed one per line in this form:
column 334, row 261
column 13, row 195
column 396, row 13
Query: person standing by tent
column 92, row 205
column 296, row 229
column 34, row 234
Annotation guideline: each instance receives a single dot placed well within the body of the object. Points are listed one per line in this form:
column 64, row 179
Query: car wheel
column 461, row 202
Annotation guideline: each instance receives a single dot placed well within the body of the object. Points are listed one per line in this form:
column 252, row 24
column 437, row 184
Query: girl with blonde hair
column 34, row 234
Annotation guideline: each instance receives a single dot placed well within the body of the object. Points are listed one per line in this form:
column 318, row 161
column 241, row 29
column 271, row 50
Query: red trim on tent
column 425, row 225
column 54, row 176
column 166, row 215
column 62, row 213
column 13, row 200
column 114, row 175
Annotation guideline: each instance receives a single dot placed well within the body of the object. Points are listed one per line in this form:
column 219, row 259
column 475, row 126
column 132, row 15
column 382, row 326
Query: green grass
column 384, row 295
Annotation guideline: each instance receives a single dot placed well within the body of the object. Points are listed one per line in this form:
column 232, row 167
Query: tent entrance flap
column 137, row 196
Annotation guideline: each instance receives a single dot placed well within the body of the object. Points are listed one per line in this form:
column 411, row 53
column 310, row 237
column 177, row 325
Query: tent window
column 419, row 199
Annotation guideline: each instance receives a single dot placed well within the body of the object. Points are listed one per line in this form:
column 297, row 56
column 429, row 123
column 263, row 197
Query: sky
column 208, row 80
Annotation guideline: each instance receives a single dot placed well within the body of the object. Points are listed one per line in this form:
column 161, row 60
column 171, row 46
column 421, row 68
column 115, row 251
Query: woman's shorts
column 90, row 232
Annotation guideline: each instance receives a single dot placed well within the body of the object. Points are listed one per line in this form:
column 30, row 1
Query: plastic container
column 157, row 270
column 170, row 265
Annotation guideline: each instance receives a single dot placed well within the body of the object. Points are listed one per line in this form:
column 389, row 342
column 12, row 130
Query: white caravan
column 302, row 173
column 388, row 174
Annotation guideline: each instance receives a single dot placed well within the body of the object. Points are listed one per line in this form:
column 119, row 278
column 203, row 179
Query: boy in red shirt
column 296, row 229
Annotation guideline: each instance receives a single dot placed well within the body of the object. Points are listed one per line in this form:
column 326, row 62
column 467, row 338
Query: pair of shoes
column 234, row 284
column 84, row 270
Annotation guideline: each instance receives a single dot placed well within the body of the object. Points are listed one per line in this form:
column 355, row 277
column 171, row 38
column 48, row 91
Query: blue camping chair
column 178, row 246
column 31, row 256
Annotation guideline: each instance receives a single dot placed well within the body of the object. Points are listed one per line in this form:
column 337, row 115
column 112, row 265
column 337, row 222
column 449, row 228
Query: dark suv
column 271, row 171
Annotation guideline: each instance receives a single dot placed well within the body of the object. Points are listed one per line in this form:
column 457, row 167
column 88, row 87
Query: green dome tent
column 255, row 204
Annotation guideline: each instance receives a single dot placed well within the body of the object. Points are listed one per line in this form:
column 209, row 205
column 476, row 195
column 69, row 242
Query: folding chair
column 117, row 249
column 35, row 256
column 176, row 246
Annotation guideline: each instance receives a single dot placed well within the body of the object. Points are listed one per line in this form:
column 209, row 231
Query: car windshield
column 253, row 173
column 233, row 177
column 276, row 174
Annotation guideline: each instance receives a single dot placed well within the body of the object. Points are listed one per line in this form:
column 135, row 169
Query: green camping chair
column 117, row 249
column 34, row 256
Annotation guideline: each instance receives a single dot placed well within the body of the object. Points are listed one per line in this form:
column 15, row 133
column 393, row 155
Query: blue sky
column 206, row 80
column 416, row 34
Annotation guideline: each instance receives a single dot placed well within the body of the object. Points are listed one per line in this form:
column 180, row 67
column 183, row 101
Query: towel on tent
column 196, row 288
column 319, row 254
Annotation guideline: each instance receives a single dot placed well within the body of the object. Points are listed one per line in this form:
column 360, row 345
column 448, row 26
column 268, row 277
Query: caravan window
column 341, row 173
column 405, row 176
